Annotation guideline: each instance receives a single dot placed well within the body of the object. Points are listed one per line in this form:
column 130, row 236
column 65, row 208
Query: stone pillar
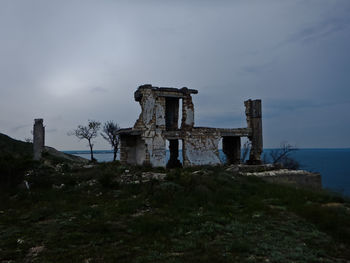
column 254, row 121
column 187, row 121
column 185, row 161
column 231, row 146
column 38, row 138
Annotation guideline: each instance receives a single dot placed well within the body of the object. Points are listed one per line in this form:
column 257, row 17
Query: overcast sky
column 69, row 61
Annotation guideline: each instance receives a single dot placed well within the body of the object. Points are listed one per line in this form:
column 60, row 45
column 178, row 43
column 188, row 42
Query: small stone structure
column 145, row 143
column 38, row 138
column 276, row 174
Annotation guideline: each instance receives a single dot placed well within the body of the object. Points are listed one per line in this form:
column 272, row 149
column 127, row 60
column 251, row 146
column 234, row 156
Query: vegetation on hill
column 16, row 158
column 114, row 213
column 14, row 147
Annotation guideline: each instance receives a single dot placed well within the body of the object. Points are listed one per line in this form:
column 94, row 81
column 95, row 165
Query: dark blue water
column 331, row 163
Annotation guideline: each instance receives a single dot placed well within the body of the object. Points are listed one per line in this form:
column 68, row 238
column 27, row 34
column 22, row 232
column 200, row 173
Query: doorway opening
column 231, row 146
column 174, row 151
column 171, row 113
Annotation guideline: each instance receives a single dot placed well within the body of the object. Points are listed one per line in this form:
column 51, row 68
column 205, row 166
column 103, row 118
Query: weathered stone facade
column 38, row 138
column 146, row 142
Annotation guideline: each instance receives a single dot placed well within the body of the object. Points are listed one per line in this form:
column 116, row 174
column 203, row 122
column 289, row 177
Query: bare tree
column 110, row 134
column 29, row 139
column 282, row 156
column 88, row 132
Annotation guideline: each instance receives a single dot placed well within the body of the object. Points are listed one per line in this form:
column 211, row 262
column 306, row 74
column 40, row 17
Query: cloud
column 319, row 30
column 70, row 61
column 258, row 68
column 19, row 127
column 52, row 130
column 98, row 89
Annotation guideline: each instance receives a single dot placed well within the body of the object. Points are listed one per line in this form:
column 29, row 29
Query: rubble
column 128, row 178
column 291, row 177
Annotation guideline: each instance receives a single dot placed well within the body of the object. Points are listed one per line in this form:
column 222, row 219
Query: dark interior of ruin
column 174, row 161
column 171, row 113
column 231, row 146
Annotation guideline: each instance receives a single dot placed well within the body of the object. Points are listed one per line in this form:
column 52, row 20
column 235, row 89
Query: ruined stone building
column 146, row 142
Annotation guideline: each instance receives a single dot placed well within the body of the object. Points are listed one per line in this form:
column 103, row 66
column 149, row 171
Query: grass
column 195, row 215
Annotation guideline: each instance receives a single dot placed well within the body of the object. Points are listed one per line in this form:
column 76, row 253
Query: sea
column 332, row 164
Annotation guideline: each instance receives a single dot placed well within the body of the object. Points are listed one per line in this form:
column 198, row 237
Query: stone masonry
column 159, row 124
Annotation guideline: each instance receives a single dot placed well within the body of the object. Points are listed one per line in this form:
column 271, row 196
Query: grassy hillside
column 14, row 147
column 16, row 159
column 113, row 213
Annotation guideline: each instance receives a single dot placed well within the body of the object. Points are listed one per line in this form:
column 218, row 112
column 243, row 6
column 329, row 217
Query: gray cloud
column 19, row 127
column 98, row 89
column 52, row 130
column 319, row 30
column 70, row 61
column 258, row 69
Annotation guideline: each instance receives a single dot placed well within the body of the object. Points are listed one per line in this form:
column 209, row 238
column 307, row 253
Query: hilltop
column 14, row 147
column 20, row 149
column 116, row 213
column 16, row 158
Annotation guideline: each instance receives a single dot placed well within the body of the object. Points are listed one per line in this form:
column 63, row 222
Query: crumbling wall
column 140, row 151
column 187, row 121
column 127, row 149
column 38, row 138
column 160, row 114
column 155, row 149
column 152, row 122
column 147, row 102
column 201, row 148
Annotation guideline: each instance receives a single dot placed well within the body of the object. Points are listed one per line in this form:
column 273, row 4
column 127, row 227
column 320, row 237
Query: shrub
column 12, row 170
column 107, row 180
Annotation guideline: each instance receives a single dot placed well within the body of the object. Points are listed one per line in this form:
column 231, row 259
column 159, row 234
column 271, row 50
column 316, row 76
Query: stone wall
column 151, row 123
column 201, row 148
